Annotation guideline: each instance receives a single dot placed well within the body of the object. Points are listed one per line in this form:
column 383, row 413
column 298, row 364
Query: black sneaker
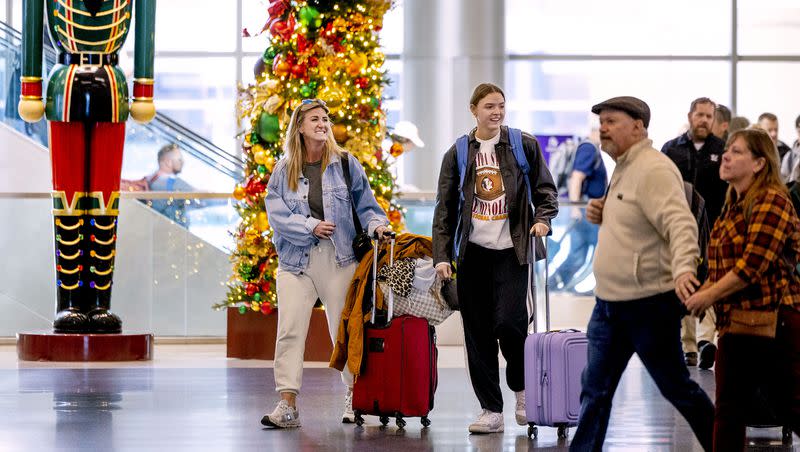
column 708, row 354
column 690, row 359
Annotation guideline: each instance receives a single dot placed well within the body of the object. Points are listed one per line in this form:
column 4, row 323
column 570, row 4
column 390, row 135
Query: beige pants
column 297, row 294
column 691, row 334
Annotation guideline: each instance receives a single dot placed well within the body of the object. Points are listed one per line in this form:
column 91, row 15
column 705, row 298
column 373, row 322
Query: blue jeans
column 649, row 327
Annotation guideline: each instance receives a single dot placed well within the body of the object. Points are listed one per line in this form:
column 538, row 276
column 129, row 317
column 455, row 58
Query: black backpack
column 698, row 206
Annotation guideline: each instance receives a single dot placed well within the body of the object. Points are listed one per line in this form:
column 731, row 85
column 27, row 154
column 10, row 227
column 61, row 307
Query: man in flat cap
column 645, row 264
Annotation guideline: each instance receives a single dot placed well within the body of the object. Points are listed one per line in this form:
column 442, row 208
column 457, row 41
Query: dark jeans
column 649, row 327
column 492, row 295
column 582, row 237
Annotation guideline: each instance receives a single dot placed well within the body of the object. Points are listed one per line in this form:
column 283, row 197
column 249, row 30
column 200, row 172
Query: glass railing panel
column 571, row 280
column 166, row 277
column 209, row 216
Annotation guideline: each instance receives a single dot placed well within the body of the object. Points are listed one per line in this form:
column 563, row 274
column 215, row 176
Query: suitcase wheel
column 359, row 419
column 425, row 421
column 563, row 431
column 787, row 435
column 532, row 431
column 401, row 423
column 384, row 420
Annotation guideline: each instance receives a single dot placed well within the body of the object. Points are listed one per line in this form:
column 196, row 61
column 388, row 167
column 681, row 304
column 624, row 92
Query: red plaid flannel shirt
column 762, row 252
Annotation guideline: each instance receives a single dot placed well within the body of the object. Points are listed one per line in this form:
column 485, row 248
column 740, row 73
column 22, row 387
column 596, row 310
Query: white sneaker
column 487, row 422
column 283, row 416
column 348, row 417
column 519, row 411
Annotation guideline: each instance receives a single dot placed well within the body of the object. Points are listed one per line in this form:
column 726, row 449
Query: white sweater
column 648, row 235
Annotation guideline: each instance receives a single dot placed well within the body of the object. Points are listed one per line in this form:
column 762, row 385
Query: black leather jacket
column 701, row 169
column 520, row 215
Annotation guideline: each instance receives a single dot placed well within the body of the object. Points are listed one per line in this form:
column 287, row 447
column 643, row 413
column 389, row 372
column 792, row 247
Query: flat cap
column 636, row 108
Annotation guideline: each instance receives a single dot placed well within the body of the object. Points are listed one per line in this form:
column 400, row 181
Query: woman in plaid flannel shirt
column 752, row 253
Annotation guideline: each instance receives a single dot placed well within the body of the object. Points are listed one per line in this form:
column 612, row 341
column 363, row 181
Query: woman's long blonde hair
column 761, row 146
column 295, row 148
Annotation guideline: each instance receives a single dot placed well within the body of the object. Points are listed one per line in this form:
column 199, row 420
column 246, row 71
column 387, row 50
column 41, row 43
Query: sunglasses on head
column 312, row 101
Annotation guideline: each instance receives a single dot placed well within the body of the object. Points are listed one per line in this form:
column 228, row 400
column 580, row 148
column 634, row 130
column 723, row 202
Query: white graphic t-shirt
column 489, row 209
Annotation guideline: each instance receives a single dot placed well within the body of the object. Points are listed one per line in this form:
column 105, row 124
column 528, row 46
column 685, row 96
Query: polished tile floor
column 191, row 398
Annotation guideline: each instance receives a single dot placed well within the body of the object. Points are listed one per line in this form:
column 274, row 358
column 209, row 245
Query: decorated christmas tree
column 318, row 49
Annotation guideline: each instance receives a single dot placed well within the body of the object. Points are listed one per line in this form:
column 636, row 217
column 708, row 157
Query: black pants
column 492, row 294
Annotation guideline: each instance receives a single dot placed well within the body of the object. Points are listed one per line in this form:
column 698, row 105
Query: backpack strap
column 345, row 160
column 598, row 157
column 462, row 151
column 515, row 135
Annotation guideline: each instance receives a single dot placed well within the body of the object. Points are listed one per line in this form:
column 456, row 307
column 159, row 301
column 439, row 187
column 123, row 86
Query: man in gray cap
column 644, row 265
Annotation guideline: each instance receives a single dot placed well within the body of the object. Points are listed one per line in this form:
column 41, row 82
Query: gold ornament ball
column 396, row 149
column 238, row 193
column 340, row 132
column 262, row 222
column 269, row 162
column 260, row 157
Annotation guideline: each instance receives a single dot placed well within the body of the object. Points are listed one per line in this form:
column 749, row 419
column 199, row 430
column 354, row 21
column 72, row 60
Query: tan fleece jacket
column 648, row 235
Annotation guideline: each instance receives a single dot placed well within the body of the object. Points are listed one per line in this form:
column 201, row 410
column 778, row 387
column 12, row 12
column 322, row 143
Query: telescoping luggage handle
column 375, row 244
column 546, row 282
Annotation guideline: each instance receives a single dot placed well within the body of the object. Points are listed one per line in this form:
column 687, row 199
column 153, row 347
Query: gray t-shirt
column 313, row 172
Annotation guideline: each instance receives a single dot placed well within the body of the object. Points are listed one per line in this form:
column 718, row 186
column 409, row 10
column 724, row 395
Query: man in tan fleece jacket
column 645, row 264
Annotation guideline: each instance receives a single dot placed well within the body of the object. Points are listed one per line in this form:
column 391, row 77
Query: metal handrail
column 430, row 196
column 129, row 195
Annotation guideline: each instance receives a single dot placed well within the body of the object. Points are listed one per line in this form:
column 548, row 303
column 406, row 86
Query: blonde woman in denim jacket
column 309, row 209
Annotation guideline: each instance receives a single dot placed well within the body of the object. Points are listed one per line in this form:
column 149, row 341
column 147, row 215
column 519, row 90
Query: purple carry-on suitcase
column 554, row 361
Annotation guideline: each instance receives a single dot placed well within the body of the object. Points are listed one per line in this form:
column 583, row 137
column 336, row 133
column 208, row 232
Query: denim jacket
column 290, row 215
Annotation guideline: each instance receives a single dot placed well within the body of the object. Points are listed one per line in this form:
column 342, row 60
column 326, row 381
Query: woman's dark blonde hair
column 295, row 148
column 483, row 90
column 762, row 147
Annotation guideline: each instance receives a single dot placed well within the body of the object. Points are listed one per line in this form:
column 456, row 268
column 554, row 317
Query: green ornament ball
column 268, row 127
column 309, row 16
column 306, row 91
column 262, row 170
column 270, row 53
column 242, row 309
column 257, row 297
column 245, row 271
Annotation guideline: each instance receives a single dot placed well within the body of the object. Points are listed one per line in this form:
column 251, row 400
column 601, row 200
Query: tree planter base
column 252, row 336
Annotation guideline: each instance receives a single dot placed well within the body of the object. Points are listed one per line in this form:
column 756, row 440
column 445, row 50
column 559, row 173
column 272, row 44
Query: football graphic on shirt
column 490, row 184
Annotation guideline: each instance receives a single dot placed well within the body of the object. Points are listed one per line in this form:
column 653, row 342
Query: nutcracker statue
column 86, row 106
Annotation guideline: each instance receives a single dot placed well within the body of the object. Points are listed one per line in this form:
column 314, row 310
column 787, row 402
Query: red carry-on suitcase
column 554, row 361
column 399, row 373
